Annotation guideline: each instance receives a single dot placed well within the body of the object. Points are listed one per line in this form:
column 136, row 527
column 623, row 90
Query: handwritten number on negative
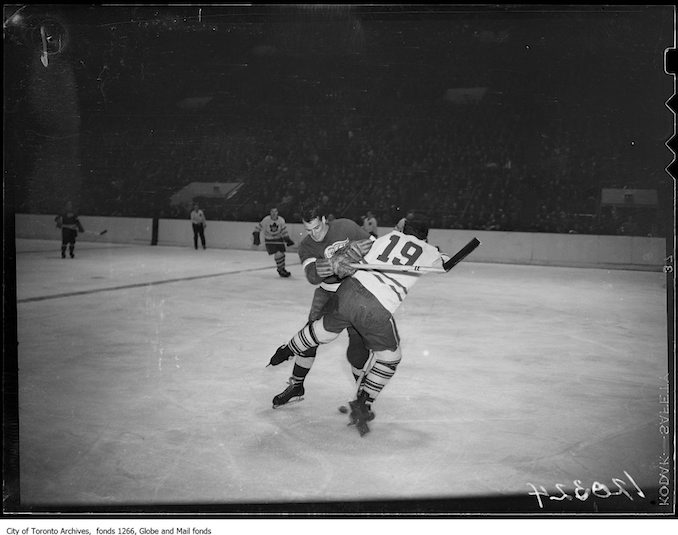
column 582, row 493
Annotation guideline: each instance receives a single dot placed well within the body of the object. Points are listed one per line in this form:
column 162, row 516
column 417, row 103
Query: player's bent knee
column 322, row 335
column 390, row 358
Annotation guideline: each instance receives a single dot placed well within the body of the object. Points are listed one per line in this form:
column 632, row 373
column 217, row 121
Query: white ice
column 142, row 379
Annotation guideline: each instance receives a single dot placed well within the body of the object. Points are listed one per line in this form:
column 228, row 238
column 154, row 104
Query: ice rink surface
column 142, row 381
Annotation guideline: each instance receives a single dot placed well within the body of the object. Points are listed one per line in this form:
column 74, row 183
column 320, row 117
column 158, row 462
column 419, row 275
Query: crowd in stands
column 507, row 161
column 470, row 166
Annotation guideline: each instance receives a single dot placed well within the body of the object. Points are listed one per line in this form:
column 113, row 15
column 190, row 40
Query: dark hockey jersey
column 69, row 220
column 340, row 232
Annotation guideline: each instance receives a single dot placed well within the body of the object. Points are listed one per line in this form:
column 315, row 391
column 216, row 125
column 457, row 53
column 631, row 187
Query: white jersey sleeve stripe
column 381, row 278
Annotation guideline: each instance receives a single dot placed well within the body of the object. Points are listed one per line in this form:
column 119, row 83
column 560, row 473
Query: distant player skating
column 275, row 239
column 69, row 223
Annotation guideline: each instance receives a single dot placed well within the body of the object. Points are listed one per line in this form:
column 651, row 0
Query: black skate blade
column 362, row 427
column 292, row 400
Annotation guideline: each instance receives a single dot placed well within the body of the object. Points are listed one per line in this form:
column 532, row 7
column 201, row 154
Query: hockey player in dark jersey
column 69, row 224
column 324, row 239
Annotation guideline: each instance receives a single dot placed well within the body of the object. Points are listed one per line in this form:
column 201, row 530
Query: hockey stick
column 393, row 267
column 461, row 254
column 453, row 261
column 95, row 233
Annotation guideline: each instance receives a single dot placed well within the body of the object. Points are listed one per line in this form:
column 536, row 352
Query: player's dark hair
column 417, row 226
column 309, row 213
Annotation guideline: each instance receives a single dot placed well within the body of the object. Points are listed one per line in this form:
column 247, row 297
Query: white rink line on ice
column 80, row 248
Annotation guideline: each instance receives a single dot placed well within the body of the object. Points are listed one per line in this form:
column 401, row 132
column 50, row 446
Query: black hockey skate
column 282, row 354
column 284, row 273
column 343, row 409
column 294, row 392
column 360, row 413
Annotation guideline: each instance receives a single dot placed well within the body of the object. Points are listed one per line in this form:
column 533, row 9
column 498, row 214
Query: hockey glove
column 341, row 265
column 323, row 268
column 357, row 249
column 256, row 238
column 289, row 241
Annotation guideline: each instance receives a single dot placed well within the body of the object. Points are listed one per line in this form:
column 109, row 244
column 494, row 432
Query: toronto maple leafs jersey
column 275, row 230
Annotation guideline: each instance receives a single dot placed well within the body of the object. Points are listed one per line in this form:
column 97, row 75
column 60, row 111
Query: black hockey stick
column 95, row 233
column 453, row 261
column 461, row 254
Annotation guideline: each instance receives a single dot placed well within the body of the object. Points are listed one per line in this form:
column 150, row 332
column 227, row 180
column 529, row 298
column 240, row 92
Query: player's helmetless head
column 417, row 226
column 317, row 227
column 274, row 213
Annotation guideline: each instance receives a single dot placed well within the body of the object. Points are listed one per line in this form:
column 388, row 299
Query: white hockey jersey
column 396, row 248
column 275, row 230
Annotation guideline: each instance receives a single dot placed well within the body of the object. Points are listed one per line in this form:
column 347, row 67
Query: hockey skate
column 360, row 413
column 294, row 392
column 282, row 354
column 343, row 409
column 284, row 273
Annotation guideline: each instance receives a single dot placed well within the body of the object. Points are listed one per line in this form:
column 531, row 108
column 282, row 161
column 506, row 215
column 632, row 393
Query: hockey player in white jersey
column 366, row 302
column 276, row 238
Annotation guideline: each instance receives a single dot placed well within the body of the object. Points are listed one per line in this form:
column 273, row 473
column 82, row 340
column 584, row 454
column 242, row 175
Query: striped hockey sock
column 280, row 261
column 377, row 378
column 312, row 335
column 303, row 364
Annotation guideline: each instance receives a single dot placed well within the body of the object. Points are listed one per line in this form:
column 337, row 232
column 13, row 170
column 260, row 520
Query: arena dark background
column 345, row 106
